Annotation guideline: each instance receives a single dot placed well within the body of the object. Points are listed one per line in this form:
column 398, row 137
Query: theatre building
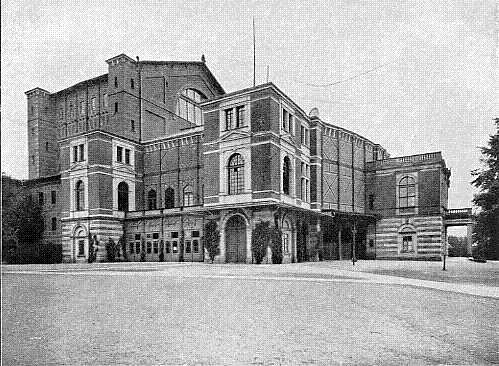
column 153, row 149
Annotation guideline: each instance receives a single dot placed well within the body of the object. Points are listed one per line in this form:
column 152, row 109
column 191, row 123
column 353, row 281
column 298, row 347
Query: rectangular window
column 175, row 246
column 119, row 154
column 174, row 234
column 82, row 152
column 302, row 134
column 195, row 234
column 240, row 116
column 137, row 236
column 116, row 107
column 106, row 100
column 187, row 246
column 132, row 84
column 75, row 154
column 149, row 247
column 195, row 246
column 32, row 131
column 40, row 198
column 291, row 124
column 54, row 224
column 82, row 108
column 115, row 81
column 407, row 244
column 131, row 245
column 285, row 120
column 371, row 201
column 127, row 156
column 167, row 247
column 81, row 247
column 93, row 104
column 155, row 236
column 137, row 247
column 155, row 247
column 132, row 125
column 229, row 116
column 32, row 159
column 61, row 113
column 53, row 196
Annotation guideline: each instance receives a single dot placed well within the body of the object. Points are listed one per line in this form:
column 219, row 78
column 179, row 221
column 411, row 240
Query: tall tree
column 486, row 232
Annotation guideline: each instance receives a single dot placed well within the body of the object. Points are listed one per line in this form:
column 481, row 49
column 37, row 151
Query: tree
column 212, row 239
column 260, row 239
column 276, row 240
column 111, row 250
column 486, row 231
column 458, row 246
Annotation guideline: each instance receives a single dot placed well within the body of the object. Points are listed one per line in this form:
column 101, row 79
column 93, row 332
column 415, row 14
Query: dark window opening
column 54, row 224
column 371, row 201
column 195, row 246
column 127, row 156
column 122, row 196
column 132, row 84
column 40, row 198
column 119, row 154
column 286, row 175
column 169, row 197
column 79, row 199
column 116, row 107
column 115, row 81
column 132, row 125
column 151, row 200
column 53, row 196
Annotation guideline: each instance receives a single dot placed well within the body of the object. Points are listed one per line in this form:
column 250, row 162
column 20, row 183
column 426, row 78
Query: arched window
column 151, row 200
column 407, row 192
column 169, row 197
column 188, row 196
column 79, row 196
column 236, row 174
column 286, row 176
column 188, row 105
column 123, row 196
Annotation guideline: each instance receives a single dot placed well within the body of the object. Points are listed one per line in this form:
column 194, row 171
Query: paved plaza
column 200, row 314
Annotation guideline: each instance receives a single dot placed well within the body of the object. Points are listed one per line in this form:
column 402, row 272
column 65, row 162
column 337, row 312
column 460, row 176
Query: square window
column 155, row 236
column 195, row 234
column 137, row 236
column 174, row 234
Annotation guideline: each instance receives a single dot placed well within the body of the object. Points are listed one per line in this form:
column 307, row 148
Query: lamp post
column 354, row 231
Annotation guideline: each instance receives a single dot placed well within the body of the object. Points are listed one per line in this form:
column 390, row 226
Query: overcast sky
column 433, row 87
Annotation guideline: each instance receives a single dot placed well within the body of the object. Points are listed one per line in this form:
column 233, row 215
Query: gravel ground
column 458, row 270
column 150, row 314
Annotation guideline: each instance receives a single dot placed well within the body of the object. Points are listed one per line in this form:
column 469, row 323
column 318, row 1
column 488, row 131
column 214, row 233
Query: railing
column 458, row 213
column 407, row 159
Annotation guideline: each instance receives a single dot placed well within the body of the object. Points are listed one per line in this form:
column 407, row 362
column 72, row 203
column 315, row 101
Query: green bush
column 276, row 239
column 260, row 239
column 142, row 250
column 111, row 250
column 212, row 239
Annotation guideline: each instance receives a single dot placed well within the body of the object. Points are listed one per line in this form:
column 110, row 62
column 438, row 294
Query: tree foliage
column 260, row 240
column 22, row 224
column 111, row 249
column 458, row 246
column 276, row 240
column 486, row 231
column 212, row 239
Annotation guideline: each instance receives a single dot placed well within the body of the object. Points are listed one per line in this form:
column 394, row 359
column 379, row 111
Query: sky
column 417, row 76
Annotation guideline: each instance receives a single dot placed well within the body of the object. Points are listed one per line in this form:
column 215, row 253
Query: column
column 470, row 238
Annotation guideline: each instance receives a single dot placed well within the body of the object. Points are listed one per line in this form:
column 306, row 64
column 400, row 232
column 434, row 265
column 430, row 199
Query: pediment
column 233, row 135
column 125, row 168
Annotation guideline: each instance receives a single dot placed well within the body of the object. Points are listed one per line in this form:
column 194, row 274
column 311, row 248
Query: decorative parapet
column 432, row 157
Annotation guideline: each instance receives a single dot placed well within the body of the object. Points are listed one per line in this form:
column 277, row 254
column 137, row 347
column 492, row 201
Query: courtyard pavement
column 200, row 314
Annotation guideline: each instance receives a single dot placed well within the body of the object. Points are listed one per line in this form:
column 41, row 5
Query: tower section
column 42, row 134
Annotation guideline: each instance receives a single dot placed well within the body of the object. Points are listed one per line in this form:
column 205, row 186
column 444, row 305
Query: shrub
column 212, row 239
column 276, row 240
column 142, row 249
column 111, row 250
column 260, row 241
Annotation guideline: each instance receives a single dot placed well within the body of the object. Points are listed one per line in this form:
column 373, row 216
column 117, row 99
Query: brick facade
column 144, row 153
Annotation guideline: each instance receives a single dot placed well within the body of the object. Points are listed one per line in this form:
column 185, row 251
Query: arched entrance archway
column 235, row 240
column 80, row 244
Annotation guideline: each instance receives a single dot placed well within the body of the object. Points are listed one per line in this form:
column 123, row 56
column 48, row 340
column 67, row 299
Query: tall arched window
column 236, row 174
column 407, row 192
column 79, row 196
column 123, row 196
column 169, row 197
column 151, row 200
column 188, row 105
column 286, row 175
column 188, row 196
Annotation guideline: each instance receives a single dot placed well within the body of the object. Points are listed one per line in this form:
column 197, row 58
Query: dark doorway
column 235, row 240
